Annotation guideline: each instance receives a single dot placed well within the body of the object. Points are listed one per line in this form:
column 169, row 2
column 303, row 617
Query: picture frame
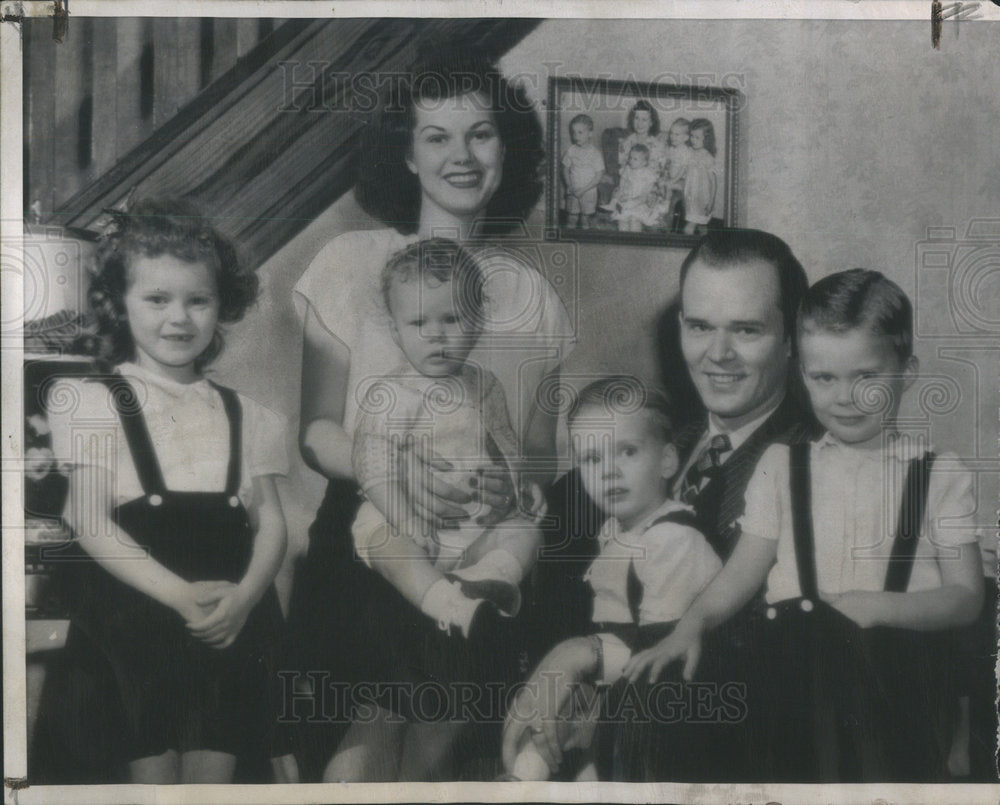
column 674, row 188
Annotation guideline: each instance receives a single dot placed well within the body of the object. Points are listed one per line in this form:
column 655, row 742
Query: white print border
column 14, row 709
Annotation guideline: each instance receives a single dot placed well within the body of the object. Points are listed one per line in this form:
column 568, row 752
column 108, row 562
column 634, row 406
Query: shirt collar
column 172, row 388
column 899, row 447
column 741, row 434
column 612, row 528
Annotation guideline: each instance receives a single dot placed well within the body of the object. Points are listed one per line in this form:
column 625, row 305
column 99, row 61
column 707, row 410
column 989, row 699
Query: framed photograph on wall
column 641, row 163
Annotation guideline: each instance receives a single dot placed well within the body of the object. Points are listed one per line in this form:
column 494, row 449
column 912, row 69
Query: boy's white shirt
column 586, row 159
column 854, row 524
column 688, row 550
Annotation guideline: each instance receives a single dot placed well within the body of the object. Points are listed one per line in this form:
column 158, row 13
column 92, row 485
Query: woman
column 643, row 126
column 453, row 152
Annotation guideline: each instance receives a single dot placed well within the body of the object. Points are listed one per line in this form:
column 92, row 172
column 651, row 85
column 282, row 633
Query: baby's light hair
column 860, row 298
column 625, row 394
column 439, row 260
column 681, row 121
column 587, row 120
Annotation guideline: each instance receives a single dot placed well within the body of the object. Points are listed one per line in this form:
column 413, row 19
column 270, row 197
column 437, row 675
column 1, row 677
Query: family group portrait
column 505, row 400
column 661, row 168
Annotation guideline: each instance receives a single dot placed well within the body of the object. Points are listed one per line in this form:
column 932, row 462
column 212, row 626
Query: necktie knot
column 708, row 461
column 712, row 455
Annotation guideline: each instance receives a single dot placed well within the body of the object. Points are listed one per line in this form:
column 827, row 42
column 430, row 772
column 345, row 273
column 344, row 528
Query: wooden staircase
column 255, row 119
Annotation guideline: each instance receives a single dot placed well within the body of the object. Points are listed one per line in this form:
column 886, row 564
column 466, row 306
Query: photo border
column 13, row 544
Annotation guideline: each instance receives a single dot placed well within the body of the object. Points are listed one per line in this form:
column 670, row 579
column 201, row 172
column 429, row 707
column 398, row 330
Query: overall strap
column 234, row 412
column 127, row 405
column 802, row 526
column 633, row 592
column 633, row 584
column 908, row 526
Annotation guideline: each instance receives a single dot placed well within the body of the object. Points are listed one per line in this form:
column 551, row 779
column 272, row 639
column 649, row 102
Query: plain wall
column 856, row 137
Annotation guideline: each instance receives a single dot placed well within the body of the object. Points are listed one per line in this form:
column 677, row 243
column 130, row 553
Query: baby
column 433, row 290
column 630, row 203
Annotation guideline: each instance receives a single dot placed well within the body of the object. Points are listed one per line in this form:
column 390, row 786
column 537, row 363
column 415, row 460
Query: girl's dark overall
column 172, row 691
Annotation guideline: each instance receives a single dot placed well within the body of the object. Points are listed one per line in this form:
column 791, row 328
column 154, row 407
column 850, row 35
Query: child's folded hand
column 221, row 628
column 200, row 600
column 860, row 606
column 209, row 592
column 190, row 611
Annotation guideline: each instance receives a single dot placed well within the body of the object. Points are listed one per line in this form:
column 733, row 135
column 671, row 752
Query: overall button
column 234, row 501
column 772, row 613
column 806, row 604
column 155, row 500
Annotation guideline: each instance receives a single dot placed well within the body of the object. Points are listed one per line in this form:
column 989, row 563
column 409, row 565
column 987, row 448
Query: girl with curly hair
column 174, row 511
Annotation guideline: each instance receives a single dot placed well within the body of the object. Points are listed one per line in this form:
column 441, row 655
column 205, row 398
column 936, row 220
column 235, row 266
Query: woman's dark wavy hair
column 151, row 228
column 643, row 105
column 388, row 190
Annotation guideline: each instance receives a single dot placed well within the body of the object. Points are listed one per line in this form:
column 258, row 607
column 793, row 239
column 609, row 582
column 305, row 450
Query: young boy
column 651, row 566
column 433, row 291
column 583, row 170
column 854, row 534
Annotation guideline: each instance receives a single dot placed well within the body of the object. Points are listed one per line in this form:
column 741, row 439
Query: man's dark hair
column 728, row 248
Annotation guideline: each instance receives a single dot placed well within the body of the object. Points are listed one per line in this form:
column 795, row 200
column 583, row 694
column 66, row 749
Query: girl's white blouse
column 187, row 424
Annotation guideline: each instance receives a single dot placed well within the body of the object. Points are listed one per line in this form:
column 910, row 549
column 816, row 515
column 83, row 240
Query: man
column 733, row 336
column 740, row 291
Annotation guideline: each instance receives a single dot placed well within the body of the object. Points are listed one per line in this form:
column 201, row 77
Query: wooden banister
column 269, row 143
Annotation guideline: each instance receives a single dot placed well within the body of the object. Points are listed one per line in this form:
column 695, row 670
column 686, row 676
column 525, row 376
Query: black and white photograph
column 453, row 404
column 665, row 170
